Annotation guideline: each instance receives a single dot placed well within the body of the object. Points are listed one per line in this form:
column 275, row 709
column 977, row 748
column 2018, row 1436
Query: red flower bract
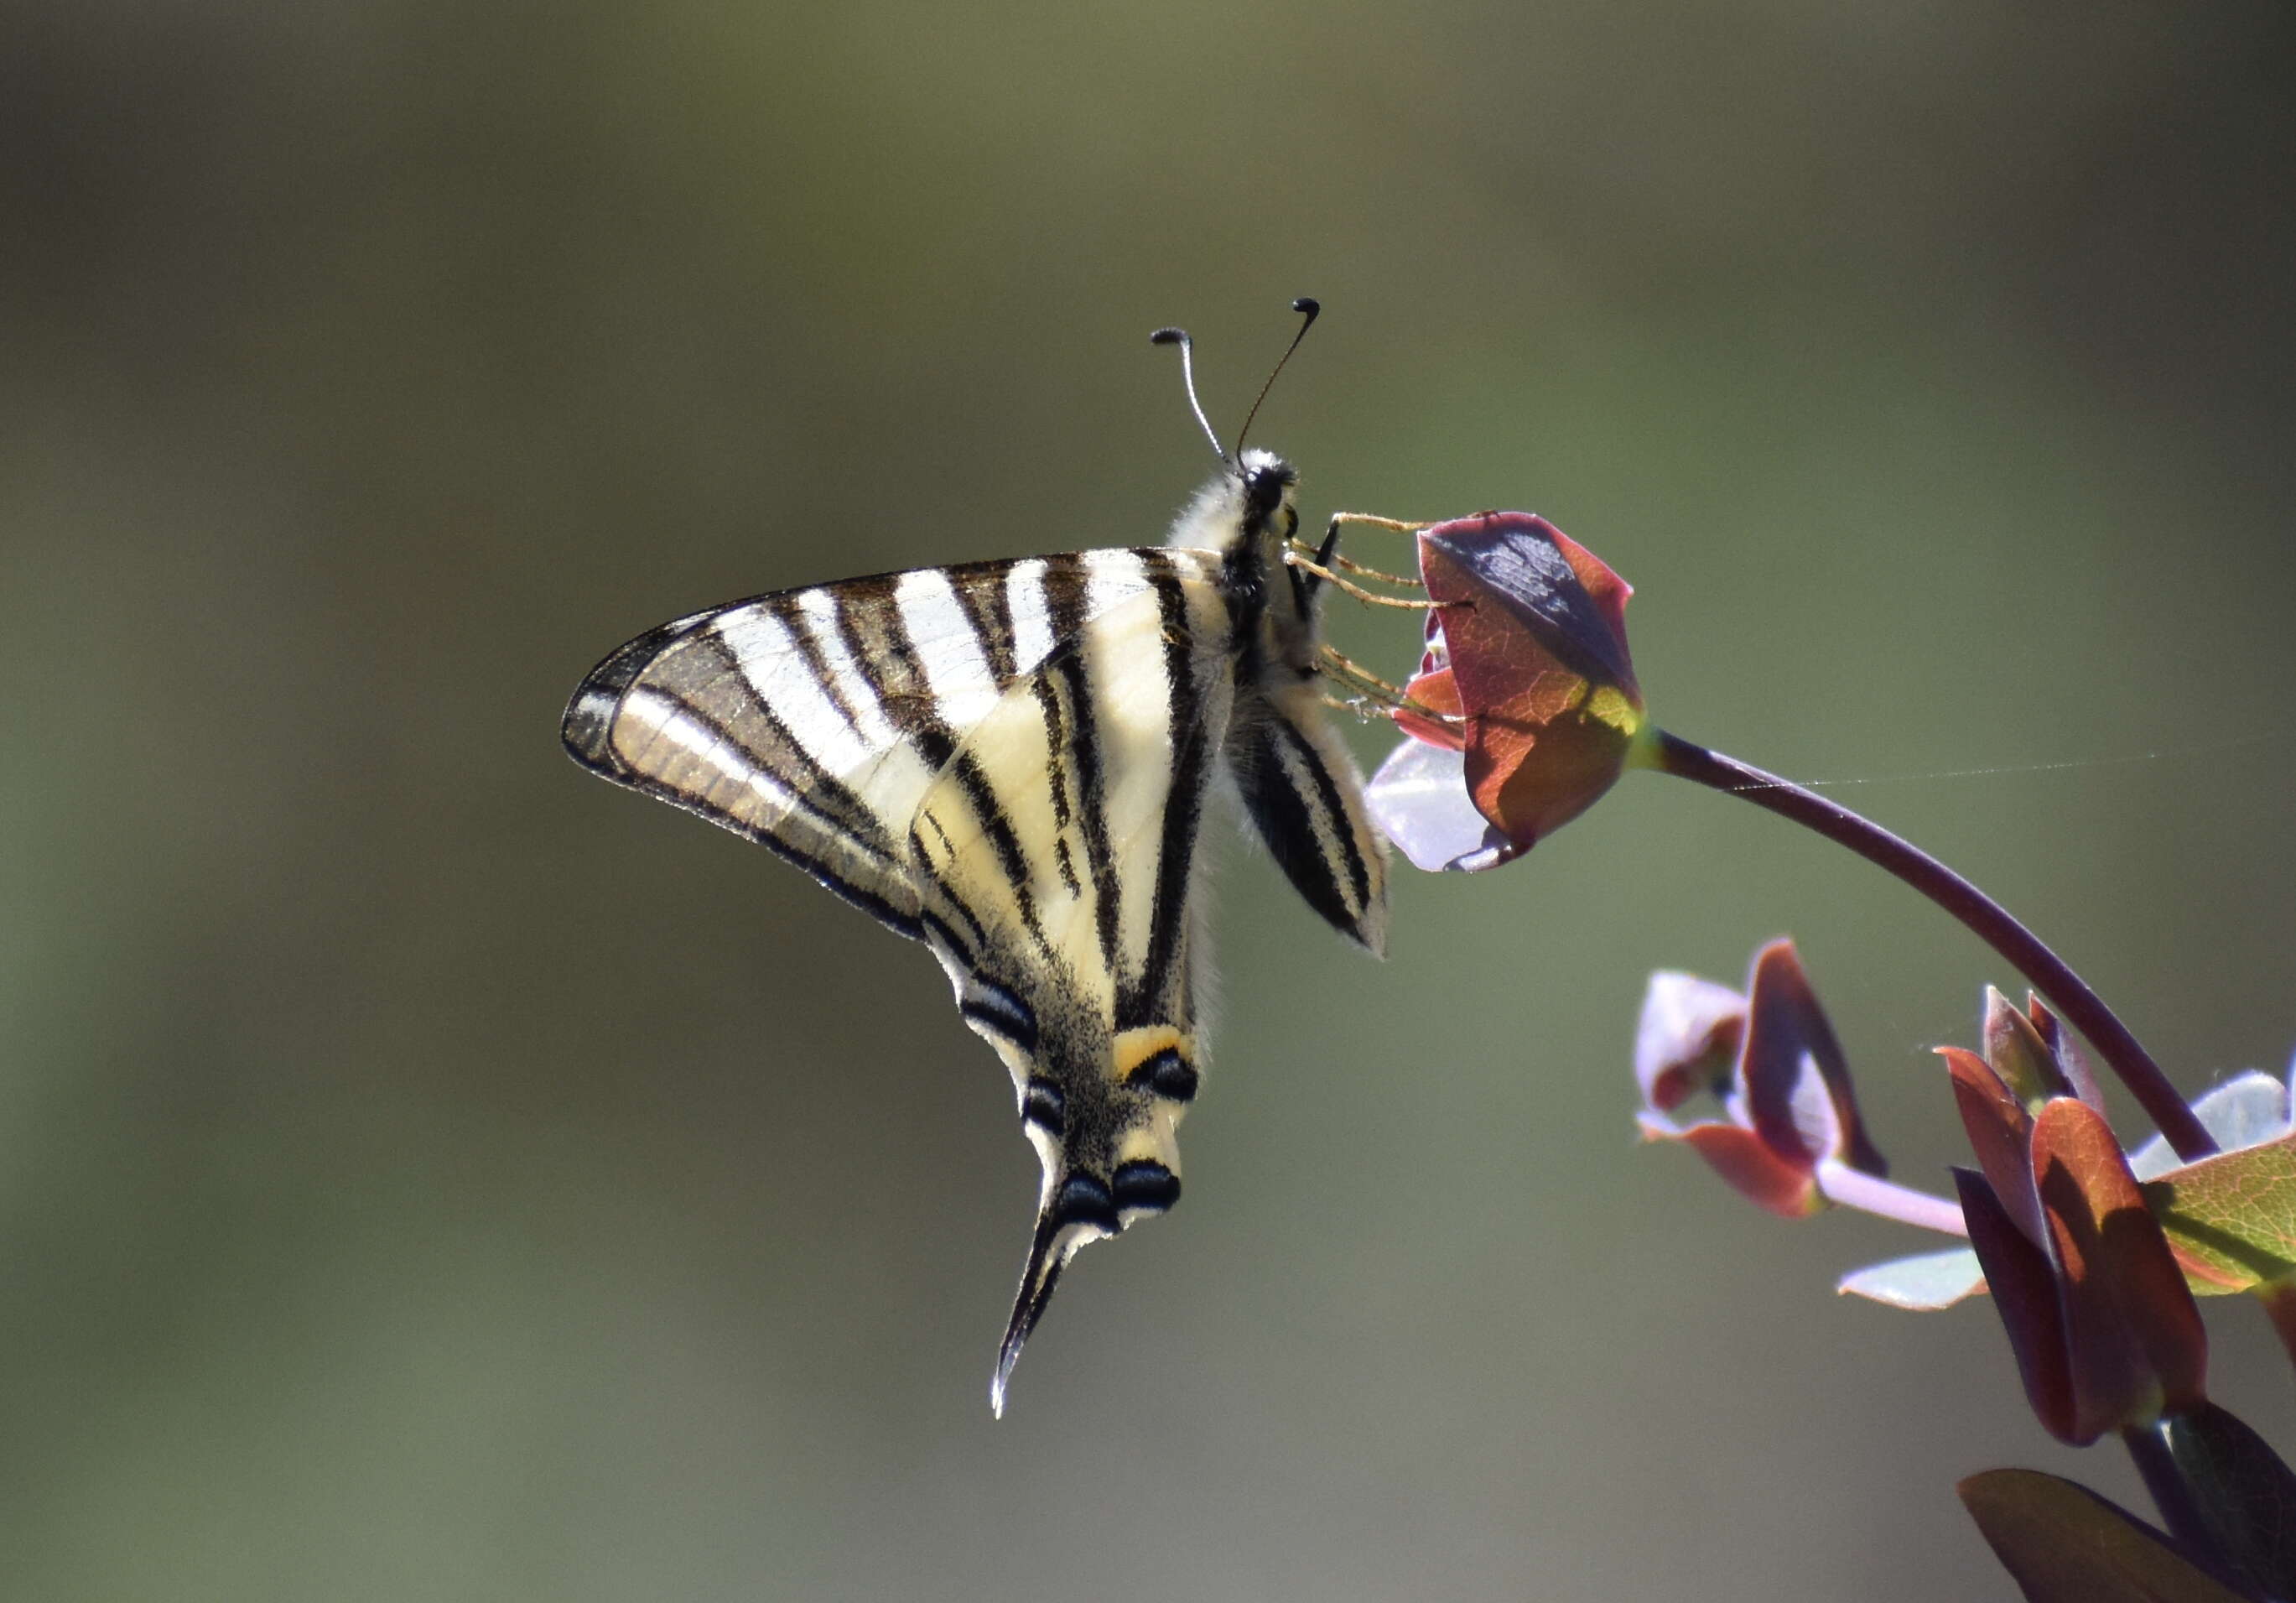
column 1527, row 665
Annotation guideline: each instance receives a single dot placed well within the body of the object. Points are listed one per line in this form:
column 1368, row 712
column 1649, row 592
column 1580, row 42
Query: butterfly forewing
column 814, row 720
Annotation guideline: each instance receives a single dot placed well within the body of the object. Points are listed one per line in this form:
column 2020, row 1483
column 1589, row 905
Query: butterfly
column 1013, row 762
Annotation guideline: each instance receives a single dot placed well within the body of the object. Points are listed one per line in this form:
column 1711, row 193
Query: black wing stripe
column 969, row 946
column 904, row 686
column 1071, row 736
column 788, row 759
column 865, row 597
column 998, row 827
column 1149, row 998
column 1333, row 815
column 1056, row 777
column 990, row 611
column 1092, row 800
column 870, row 628
column 1295, row 802
column 933, row 928
column 835, row 683
column 1065, row 581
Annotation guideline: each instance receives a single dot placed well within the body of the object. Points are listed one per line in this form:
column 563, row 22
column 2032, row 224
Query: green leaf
column 1923, row 1283
column 2248, row 1110
column 2063, row 1543
column 2232, row 1218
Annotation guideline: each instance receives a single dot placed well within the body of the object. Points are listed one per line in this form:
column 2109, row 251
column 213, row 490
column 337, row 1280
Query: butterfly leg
column 1348, row 564
column 1327, row 558
column 1293, row 556
column 1370, row 521
column 1369, row 687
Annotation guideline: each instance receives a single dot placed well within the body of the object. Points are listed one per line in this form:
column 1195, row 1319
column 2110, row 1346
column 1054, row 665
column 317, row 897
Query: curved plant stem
column 1986, row 919
column 1886, row 1199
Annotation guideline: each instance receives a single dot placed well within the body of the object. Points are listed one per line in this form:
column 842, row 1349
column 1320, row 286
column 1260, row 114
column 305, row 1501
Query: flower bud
column 1527, row 671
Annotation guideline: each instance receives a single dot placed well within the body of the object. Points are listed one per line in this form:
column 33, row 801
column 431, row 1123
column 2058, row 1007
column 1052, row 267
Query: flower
column 2230, row 1217
column 1789, row 1129
column 1526, row 673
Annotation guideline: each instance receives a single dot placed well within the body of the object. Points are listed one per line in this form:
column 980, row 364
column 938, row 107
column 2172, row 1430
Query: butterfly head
column 1267, row 483
column 1250, row 509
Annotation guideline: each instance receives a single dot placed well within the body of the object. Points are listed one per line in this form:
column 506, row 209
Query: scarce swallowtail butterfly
column 1012, row 761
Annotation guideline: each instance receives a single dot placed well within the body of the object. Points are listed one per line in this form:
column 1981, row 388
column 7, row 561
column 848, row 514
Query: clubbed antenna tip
column 1180, row 337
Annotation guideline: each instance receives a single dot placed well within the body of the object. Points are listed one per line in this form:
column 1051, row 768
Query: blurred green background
column 426, row 1172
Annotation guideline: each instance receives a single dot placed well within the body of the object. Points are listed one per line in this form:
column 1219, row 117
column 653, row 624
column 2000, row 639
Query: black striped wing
column 814, row 720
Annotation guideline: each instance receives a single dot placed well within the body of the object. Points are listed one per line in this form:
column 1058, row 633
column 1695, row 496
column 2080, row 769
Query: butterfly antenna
column 1180, row 337
column 1307, row 306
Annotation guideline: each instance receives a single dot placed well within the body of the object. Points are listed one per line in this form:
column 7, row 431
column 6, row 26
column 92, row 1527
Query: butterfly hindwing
column 1058, row 849
column 1304, row 797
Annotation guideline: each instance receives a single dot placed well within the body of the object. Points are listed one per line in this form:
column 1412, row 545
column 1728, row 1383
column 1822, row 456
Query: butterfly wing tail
column 1081, row 1208
column 1077, row 1209
column 1048, row 1255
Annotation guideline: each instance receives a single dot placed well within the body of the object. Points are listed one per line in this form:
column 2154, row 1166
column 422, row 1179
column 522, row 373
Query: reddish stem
column 1986, row 919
